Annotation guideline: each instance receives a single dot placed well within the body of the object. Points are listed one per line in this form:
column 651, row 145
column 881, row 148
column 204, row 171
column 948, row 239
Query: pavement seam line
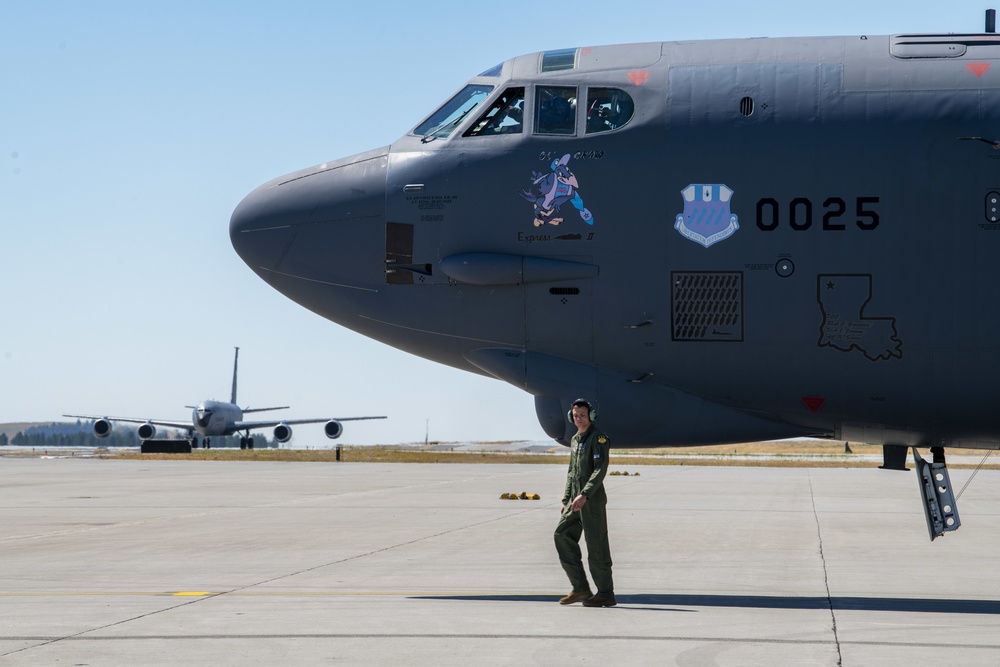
column 80, row 635
column 826, row 576
column 371, row 553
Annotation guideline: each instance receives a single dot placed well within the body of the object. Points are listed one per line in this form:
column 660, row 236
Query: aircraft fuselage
column 786, row 237
column 216, row 418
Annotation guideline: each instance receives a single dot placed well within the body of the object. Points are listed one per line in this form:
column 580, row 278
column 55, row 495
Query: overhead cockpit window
column 505, row 115
column 608, row 109
column 493, row 71
column 555, row 110
column 443, row 122
column 556, row 61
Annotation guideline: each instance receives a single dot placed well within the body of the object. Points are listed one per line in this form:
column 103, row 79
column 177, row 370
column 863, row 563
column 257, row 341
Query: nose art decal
column 551, row 190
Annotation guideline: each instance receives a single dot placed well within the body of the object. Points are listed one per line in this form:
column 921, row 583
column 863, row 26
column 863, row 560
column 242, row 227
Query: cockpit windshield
column 443, row 122
column 608, row 109
column 504, row 116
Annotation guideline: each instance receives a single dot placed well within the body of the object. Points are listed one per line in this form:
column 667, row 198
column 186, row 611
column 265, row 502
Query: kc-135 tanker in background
column 219, row 418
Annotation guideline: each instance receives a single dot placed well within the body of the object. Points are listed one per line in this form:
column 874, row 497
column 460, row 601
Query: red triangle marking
column 978, row 68
column 814, row 403
column 639, row 78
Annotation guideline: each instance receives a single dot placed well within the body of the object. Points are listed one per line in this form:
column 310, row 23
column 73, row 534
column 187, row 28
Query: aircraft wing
column 185, row 425
column 242, row 426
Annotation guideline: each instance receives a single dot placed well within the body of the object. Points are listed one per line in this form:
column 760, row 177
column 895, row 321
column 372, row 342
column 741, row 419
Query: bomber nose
column 260, row 226
column 322, row 225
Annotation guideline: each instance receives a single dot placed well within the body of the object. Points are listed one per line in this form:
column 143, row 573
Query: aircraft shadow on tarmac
column 915, row 605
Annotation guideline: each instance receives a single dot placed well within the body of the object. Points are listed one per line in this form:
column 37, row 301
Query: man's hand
column 578, row 503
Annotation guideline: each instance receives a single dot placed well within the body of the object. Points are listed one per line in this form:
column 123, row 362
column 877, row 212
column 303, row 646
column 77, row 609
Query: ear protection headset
column 582, row 402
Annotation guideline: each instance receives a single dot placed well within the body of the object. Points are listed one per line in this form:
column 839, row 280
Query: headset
column 581, row 402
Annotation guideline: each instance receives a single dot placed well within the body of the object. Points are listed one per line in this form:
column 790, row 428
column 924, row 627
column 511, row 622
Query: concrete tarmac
column 108, row 562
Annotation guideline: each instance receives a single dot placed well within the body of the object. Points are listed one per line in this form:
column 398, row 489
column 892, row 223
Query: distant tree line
column 81, row 434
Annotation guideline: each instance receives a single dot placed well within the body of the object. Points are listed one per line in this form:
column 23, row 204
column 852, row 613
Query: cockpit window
column 556, row 61
column 608, row 109
column 505, row 115
column 443, row 122
column 555, row 110
column 493, row 71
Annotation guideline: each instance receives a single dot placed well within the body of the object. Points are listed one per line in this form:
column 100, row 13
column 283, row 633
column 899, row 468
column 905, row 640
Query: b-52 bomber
column 219, row 418
column 717, row 241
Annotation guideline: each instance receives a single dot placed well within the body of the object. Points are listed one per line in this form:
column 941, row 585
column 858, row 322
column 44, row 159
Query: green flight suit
column 588, row 464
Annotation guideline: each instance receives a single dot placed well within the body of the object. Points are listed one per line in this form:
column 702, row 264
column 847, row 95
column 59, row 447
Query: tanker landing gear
column 207, row 444
column 246, row 442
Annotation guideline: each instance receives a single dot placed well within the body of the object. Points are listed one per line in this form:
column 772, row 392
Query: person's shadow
column 675, row 602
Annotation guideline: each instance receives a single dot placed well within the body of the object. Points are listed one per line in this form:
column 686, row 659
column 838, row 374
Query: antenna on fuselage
column 991, row 20
column 236, row 362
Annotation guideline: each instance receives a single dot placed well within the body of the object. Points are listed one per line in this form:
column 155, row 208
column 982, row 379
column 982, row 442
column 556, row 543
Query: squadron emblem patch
column 602, row 440
column 706, row 218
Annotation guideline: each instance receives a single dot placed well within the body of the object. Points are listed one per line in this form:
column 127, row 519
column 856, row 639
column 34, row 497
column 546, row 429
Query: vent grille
column 707, row 306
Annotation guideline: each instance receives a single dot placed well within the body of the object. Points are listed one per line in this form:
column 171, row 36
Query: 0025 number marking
column 800, row 214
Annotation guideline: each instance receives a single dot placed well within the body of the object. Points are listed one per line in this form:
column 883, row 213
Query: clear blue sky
column 130, row 130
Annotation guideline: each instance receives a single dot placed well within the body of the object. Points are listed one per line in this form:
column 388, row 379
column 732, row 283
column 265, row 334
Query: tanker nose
column 203, row 417
column 321, row 226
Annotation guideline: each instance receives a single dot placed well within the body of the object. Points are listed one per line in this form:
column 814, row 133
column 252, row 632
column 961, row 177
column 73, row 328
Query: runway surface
column 106, row 562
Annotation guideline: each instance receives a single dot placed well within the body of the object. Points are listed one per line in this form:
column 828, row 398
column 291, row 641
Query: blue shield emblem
column 706, row 218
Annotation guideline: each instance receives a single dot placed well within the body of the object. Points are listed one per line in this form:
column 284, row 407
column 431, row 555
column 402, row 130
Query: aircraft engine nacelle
column 147, row 431
column 333, row 429
column 102, row 428
column 282, row 433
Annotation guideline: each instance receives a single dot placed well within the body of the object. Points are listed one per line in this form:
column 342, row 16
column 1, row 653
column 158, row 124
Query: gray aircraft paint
column 842, row 284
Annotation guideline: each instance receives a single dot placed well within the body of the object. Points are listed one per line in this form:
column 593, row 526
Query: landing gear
column 208, row 443
column 935, row 490
column 246, row 442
